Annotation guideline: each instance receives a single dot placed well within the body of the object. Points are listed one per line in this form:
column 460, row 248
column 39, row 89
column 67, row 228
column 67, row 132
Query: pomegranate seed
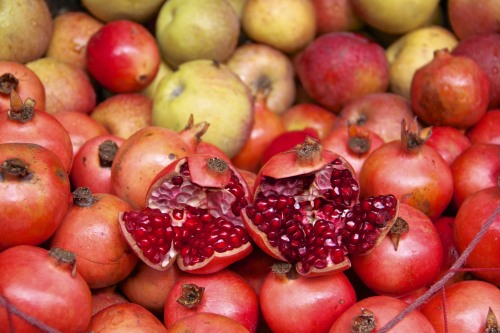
column 220, row 245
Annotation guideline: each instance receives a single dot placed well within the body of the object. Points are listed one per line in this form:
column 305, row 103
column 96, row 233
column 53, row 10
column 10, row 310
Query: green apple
column 211, row 92
column 395, row 16
column 112, row 10
column 412, row 51
column 288, row 25
column 266, row 71
column 192, row 29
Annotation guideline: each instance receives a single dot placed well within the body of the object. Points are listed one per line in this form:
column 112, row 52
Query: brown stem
column 15, row 168
column 191, row 296
column 8, row 83
column 107, row 152
column 19, row 111
column 440, row 284
column 83, row 197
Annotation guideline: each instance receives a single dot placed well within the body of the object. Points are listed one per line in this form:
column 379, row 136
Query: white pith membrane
column 343, row 200
column 168, row 197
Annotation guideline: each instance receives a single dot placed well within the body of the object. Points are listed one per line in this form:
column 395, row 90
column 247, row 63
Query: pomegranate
column 429, row 186
column 19, row 77
column 25, row 123
column 450, row 90
column 463, row 308
column 354, row 143
column 206, row 322
column 224, row 293
column 92, row 163
column 41, row 292
column 34, row 192
column 306, row 210
column 370, row 314
column 407, row 259
column 304, row 115
column 448, row 141
column 90, row 230
column 286, row 141
column 192, row 217
column 476, row 209
column 125, row 317
column 289, row 300
column 486, row 129
column 149, row 287
column 104, row 297
column 476, row 168
column 147, row 152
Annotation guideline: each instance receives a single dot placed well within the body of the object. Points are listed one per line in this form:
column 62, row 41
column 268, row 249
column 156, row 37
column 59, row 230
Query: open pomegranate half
column 306, row 210
column 192, row 217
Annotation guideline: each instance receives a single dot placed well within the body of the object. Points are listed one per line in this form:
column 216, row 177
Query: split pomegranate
column 306, row 210
column 192, row 216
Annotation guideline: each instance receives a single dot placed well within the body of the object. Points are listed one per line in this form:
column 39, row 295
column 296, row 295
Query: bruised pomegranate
column 192, row 216
column 306, row 210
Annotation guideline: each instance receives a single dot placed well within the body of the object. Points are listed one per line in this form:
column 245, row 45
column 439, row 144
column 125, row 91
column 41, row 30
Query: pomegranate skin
column 486, row 129
column 450, row 90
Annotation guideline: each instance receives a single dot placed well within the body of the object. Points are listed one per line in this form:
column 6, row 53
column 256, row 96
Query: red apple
column 486, row 130
column 123, row 56
column 340, row 67
column 381, row 113
column 468, row 18
column 450, row 90
column 485, row 50
column 304, row 115
column 336, row 15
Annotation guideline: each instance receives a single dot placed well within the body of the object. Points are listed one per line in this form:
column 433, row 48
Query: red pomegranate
column 414, row 172
column 206, row 322
column 486, row 129
column 448, row 141
column 34, row 192
column 289, row 300
column 224, row 293
column 192, row 217
column 306, row 210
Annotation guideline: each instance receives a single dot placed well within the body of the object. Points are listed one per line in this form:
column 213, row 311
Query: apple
column 394, row 16
column 67, row 88
column 123, row 56
column 288, row 25
column 210, row 92
column 451, row 90
column 138, row 11
column 336, row 15
column 191, row 29
column 265, row 70
column 25, row 29
column 381, row 113
column 413, row 50
column 485, row 50
column 467, row 18
column 70, row 36
column 163, row 70
column 303, row 115
column 124, row 114
column 340, row 67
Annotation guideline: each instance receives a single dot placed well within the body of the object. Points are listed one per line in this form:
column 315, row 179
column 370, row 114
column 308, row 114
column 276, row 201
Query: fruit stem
column 398, row 228
column 19, row 111
column 358, row 141
column 12, row 310
column 8, row 82
column 63, row 256
column 440, row 284
column 285, row 270
column 191, row 295
column 107, row 152
column 14, row 167
column 412, row 139
column 83, row 197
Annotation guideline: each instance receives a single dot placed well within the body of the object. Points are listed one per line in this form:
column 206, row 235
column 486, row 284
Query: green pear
column 192, row 29
column 112, row 10
column 211, row 92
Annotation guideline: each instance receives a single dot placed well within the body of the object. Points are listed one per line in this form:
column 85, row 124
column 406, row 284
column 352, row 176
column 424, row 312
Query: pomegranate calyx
column 83, row 197
column 8, row 83
column 192, row 132
column 399, row 228
column 364, row 322
column 107, row 152
column 491, row 322
column 358, row 140
column 285, row 270
column 191, row 295
column 15, row 167
column 412, row 139
column 64, row 257
column 19, row 111
column 308, row 152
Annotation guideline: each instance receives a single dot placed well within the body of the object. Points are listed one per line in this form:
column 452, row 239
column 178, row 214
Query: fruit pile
column 250, row 166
